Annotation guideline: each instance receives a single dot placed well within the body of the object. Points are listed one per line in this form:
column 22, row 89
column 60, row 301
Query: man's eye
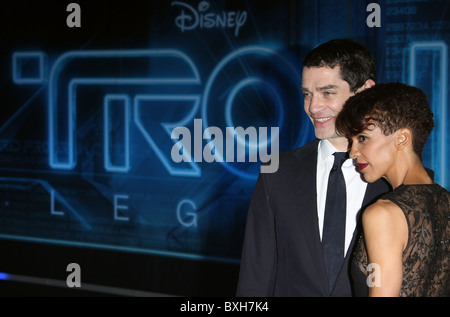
column 361, row 138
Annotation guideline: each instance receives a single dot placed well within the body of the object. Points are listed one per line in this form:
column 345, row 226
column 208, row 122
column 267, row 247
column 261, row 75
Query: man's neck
column 339, row 143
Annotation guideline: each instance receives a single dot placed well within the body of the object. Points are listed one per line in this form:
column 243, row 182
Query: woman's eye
column 361, row 138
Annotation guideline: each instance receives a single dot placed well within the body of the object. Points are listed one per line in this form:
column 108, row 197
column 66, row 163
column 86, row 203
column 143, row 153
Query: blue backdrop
column 86, row 160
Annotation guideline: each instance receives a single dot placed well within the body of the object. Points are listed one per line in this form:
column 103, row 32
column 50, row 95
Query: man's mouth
column 322, row 120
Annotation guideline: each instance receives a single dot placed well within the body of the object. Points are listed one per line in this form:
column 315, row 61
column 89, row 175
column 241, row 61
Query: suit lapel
column 306, row 184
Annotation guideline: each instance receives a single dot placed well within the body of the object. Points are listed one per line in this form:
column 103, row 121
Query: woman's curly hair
column 390, row 106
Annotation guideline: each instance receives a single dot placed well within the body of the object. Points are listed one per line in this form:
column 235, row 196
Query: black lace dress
column 426, row 270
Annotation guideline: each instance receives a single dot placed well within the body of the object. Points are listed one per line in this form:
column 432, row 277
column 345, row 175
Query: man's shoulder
column 301, row 152
column 291, row 161
column 293, row 165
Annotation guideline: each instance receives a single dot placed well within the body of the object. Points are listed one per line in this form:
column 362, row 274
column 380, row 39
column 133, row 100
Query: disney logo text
column 190, row 18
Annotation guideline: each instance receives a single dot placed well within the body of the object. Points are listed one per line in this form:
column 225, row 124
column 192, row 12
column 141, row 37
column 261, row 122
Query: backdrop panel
column 131, row 133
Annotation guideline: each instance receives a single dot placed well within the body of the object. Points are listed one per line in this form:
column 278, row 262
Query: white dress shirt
column 356, row 188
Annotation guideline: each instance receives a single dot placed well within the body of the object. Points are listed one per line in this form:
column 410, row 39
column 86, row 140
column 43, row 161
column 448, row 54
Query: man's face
column 325, row 93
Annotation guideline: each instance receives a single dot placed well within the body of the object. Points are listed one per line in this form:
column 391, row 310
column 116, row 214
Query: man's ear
column 368, row 84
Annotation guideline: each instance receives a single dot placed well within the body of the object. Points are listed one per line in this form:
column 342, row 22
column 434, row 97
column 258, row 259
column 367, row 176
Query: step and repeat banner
column 139, row 127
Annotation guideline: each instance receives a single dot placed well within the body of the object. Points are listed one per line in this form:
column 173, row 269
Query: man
column 284, row 252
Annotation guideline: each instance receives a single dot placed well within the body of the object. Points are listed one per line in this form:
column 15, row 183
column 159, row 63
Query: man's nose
column 315, row 104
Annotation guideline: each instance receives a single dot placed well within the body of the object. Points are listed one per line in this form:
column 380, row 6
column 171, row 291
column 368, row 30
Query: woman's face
column 374, row 153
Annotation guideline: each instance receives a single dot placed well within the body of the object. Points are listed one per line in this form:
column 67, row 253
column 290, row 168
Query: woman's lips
column 362, row 166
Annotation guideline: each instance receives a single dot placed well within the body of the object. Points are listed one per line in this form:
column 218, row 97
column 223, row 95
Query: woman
column 404, row 249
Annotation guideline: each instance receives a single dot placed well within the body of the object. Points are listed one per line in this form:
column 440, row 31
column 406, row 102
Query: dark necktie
column 333, row 233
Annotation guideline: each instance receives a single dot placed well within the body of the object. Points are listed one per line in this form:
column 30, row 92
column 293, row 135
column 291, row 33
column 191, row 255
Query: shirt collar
column 326, row 150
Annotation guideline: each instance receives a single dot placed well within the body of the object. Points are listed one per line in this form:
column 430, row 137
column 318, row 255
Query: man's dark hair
column 357, row 64
column 390, row 107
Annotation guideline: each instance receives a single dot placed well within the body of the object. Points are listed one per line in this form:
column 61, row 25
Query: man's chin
column 322, row 134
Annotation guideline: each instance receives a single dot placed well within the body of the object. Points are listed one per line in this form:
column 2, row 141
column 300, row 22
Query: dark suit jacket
column 282, row 252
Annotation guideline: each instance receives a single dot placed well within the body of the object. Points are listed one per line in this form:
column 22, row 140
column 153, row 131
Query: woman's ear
column 404, row 138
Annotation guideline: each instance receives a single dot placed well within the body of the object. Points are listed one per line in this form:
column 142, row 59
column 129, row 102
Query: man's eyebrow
column 321, row 88
column 327, row 87
column 304, row 89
